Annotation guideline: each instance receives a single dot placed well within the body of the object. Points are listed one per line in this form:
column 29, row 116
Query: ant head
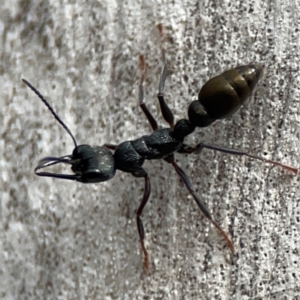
column 90, row 164
column 93, row 164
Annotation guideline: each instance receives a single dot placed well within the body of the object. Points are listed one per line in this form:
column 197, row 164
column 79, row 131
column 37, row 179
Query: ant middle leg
column 185, row 179
column 110, row 146
column 165, row 110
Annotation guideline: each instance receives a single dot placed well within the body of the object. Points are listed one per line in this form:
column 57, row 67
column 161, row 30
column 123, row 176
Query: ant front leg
column 139, row 222
column 140, row 226
column 143, row 106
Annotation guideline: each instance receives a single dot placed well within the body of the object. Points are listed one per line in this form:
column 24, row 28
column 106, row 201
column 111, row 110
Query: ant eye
column 90, row 176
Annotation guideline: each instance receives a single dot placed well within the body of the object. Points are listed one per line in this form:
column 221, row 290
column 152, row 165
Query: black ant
column 219, row 98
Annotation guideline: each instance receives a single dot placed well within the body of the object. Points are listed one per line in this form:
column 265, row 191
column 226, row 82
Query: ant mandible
column 219, row 98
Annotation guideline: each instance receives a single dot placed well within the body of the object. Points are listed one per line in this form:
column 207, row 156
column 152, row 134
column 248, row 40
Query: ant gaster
column 219, row 98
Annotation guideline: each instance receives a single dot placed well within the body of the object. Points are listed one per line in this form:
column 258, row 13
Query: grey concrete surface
column 66, row 240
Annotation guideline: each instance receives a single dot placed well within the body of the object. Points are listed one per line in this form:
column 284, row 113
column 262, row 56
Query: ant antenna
column 51, row 109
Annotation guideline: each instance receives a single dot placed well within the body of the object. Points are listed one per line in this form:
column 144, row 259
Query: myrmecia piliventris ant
column 219, row 98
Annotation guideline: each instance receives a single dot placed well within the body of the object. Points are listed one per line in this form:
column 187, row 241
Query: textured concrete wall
column 66, row 240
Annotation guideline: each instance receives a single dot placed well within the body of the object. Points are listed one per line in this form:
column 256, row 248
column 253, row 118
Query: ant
column 219, row 98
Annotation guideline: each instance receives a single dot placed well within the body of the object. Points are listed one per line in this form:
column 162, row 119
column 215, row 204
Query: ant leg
column 139, row 222
column 160, row 31
column 200, row 146
column 143, row 106
column 110, row 146
column 185, row 179
column 145, row 110
column 165, row 110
